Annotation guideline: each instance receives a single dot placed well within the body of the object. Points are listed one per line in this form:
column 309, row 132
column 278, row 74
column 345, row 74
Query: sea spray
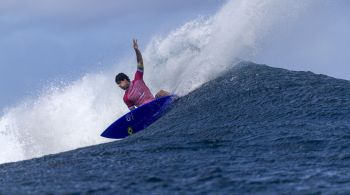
column 73, row 115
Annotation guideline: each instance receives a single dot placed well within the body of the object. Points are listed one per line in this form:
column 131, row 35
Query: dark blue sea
column 253, row 130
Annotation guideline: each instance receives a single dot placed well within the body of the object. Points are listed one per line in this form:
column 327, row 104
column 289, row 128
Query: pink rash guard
column 138, row 93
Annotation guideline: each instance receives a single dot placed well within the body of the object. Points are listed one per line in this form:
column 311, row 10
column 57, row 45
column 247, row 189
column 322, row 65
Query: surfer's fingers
column 134, row 44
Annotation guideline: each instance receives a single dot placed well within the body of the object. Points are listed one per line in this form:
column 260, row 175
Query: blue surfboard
column 139, row 118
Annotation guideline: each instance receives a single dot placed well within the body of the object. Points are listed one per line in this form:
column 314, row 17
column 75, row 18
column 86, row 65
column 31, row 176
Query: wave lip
column 254, row 129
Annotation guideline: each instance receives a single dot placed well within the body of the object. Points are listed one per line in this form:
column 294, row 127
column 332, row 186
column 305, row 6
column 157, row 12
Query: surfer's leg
column 162, row 93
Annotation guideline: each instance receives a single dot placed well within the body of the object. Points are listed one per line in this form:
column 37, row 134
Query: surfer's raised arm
column 138, row 56
column 136, row 91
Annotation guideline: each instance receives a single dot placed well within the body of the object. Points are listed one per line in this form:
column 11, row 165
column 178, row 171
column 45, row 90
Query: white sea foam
column 199, row 50
column 73, row 115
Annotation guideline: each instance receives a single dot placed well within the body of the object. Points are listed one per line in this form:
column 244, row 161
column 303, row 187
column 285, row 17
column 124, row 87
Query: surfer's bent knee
column 162, row 93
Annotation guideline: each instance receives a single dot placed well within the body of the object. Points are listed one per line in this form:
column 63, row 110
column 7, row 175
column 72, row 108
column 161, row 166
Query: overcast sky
column 48, row 40
column 318, row 41
column 43, row 41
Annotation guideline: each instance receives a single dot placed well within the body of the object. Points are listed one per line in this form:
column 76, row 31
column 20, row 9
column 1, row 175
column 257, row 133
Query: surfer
column 136, row 92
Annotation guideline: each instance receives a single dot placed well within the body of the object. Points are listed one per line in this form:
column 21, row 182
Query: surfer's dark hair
column 120, row 77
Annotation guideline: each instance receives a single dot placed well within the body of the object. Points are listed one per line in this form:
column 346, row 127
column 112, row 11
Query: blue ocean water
column 254, row 129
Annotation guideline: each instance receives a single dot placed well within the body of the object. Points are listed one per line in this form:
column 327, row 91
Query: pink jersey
column 137, row 93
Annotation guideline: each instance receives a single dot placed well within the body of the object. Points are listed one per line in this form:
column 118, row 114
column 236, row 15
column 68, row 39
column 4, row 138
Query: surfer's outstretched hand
column 135, row 45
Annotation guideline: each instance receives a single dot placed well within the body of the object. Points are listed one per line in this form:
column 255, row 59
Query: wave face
column 254, row 129
column 71, row 115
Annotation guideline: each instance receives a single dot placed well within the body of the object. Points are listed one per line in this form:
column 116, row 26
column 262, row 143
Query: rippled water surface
column 255, row 129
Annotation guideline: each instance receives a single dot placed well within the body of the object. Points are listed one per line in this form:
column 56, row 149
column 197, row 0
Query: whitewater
column 72, row 115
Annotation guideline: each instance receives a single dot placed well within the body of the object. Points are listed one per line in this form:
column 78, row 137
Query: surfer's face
column 124, row 84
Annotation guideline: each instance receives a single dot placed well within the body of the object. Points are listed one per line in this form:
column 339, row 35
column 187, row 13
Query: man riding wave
column 136, row 91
